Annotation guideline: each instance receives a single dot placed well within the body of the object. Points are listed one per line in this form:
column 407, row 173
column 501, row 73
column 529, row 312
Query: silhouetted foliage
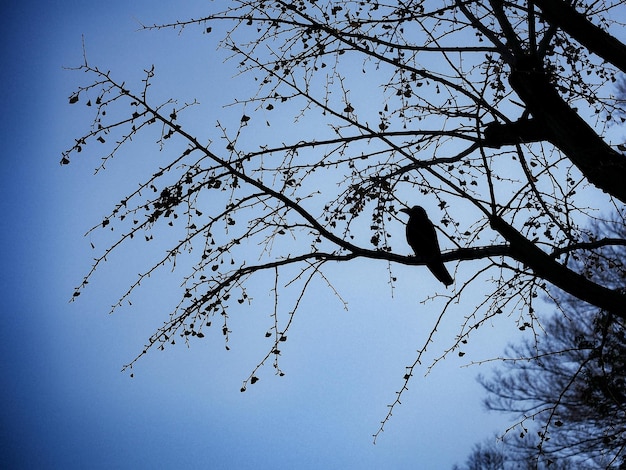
column 494, row 116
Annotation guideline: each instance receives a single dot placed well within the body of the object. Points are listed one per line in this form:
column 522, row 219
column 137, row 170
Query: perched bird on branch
column 421, row 235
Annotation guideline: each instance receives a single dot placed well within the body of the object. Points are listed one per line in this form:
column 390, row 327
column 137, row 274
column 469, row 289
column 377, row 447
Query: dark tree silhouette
column 494, row 116
column 498, row 454
column 485, row 456
column 568, row 386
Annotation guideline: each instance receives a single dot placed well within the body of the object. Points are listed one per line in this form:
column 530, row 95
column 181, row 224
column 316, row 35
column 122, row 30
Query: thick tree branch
column 523, row 131
column 584, row 31
column 546, row 267
column 603, row 166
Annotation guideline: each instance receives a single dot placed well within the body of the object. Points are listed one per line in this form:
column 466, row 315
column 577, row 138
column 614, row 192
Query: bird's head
column 415, row 210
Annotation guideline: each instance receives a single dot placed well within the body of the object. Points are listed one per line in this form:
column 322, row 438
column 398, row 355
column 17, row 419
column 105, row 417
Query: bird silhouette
column 421, row 235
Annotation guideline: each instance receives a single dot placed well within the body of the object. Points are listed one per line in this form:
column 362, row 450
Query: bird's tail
column 440, row 272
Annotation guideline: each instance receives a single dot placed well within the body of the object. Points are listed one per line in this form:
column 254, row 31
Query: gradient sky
column 65, row 403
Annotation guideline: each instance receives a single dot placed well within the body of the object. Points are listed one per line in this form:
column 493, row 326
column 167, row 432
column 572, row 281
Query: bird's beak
column 405, row 210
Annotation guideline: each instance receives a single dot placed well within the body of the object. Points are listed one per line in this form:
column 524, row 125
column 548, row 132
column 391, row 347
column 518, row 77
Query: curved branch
column 546, row 267
column 589, row 246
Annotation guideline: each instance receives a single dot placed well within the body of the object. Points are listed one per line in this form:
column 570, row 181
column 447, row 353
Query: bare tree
column 499, row 454
column 493, row 115
column 485, row 456
column 568, row 388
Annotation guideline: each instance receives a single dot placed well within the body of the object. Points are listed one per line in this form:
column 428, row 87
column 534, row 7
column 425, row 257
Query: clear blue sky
column 65, row 403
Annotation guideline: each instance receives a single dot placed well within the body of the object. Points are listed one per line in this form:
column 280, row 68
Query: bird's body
column 421, row 235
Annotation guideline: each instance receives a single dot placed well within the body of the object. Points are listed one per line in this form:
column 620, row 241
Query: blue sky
column 65, row 403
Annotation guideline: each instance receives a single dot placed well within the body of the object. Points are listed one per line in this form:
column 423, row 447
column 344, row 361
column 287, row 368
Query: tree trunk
column 600, row 164
column 577, row 25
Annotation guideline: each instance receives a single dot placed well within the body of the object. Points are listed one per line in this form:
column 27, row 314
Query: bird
column 421, row 236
